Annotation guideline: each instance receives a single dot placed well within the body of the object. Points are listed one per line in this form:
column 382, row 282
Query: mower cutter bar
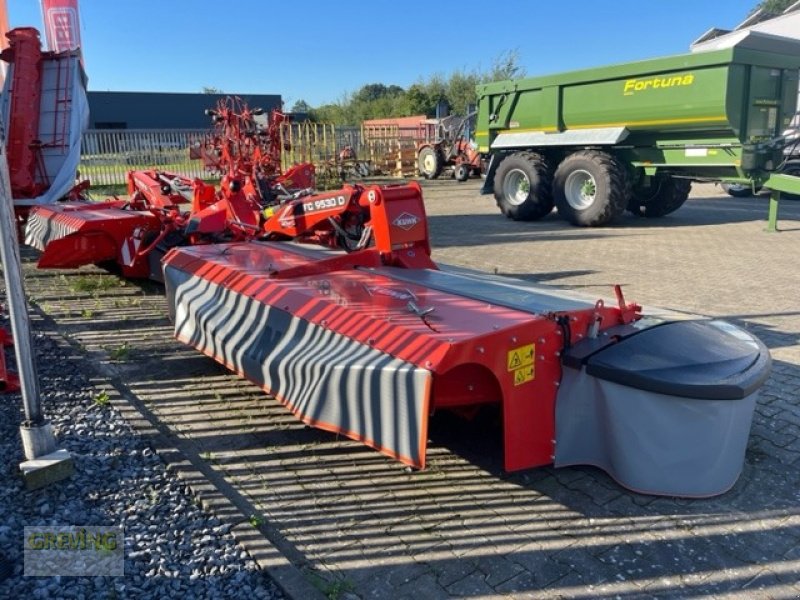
column 74, row 234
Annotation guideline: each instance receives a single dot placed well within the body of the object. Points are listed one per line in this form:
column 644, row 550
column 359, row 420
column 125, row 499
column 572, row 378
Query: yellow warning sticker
column 523, row 375
column 520, row 357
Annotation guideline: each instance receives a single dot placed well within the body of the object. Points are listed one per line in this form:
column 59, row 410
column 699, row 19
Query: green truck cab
column 596, row 142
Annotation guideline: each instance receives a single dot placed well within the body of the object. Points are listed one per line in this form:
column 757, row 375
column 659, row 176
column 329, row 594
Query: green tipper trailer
column 634, row 136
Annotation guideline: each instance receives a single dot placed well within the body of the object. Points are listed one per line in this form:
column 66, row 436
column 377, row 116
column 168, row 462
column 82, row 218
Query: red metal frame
column 9, row 382
column 22, row 135
column 241, row 149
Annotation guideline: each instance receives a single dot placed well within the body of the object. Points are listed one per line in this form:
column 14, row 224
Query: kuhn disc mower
column 371, row 343
column 164, row 210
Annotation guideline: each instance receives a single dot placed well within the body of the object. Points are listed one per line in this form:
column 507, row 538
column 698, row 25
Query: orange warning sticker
column 520, row 357
column 523, row 375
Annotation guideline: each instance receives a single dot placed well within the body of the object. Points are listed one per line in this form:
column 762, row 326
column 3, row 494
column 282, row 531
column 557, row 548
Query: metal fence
column 108, row 154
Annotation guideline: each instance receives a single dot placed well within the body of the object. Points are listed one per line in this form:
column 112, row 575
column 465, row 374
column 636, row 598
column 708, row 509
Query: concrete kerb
column 263, row 542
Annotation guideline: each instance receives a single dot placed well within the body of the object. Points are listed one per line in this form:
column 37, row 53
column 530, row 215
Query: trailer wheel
column 429, row 162
column 664, row 195
column 523, row 186
column 591, row 188
column 461, row 172
column 738, row 190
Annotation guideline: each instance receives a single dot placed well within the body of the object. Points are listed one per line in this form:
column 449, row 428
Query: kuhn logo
column 405, row 221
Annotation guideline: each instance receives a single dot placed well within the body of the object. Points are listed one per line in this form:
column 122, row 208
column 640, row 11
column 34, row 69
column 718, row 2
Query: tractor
column 451, row 148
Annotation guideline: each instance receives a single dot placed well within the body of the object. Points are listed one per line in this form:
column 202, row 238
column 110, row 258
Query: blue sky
column 318, row 50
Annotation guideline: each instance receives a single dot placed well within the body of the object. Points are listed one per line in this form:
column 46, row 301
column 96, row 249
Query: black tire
column 739, row 190
column 604, row 175
column 429, row 162
column 664, row 195
column 461, row 172
column 524, row 170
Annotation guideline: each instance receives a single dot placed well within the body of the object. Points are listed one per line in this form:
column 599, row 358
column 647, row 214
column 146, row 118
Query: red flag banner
column 61, row 24
column 3, row 39
column 3, row 24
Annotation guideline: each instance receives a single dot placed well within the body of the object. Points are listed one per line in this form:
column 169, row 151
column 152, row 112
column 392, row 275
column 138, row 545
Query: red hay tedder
column 241, row 147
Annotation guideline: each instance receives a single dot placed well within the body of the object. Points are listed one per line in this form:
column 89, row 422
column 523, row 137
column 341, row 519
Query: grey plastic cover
column 694, row 359
column 648, row 442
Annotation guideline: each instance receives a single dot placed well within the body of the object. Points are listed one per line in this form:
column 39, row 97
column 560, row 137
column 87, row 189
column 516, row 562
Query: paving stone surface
column 361, row 525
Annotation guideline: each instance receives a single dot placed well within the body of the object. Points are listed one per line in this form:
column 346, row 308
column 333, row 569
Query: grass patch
column 120, row 353
column 94, row 283
column 102, row 191
column 333, row 590
column 256, row 520
column 102, row 398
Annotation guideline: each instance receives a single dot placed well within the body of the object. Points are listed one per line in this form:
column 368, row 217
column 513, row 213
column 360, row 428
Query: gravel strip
column 172, row 547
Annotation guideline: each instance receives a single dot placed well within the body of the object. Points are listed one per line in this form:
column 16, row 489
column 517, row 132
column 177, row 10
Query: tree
column 461, row 91
column 301, row 106
column 417, row 101
column 376, row 91
column 775, row 7
column 207, row 89
column 378, row 100
column 506, row 66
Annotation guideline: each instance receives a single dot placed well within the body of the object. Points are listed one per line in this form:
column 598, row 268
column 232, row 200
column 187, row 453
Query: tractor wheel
column 591, row 188
column 739, row 190
column 523, row 186
column 461, row 172
column 664, row 195
column 429, row 162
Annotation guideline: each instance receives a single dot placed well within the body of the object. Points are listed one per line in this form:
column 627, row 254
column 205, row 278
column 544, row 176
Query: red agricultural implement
column 243, row 147
column 358, row 332
column 371, row 343
column 165, row 210
column 9, row 382
column 45, row 111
